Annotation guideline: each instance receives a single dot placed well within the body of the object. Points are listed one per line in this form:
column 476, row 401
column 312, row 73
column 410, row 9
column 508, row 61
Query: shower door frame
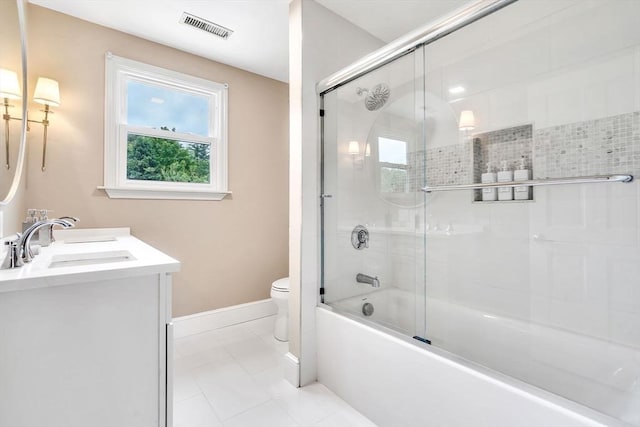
column 415, row 39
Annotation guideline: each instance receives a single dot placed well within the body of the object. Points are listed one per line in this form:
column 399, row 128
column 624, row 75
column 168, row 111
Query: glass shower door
column 540, row 283
column 372, row 206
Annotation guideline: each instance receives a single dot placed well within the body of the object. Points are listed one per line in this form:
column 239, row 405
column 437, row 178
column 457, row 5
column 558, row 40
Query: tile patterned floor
column 232, row 377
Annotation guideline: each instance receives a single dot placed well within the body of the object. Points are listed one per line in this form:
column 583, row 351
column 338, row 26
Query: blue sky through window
column 392, row 151
column 155, row 106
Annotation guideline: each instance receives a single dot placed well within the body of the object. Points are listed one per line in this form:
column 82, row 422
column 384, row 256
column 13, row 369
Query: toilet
column 280, row 295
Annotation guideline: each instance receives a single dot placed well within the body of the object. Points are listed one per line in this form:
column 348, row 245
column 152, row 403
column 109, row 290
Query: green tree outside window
column 160, row 159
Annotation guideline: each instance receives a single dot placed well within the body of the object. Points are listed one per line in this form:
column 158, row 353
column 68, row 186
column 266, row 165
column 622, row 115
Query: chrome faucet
column 24, row 243
column 369, row 280
column 48, row 239
column 19, row 249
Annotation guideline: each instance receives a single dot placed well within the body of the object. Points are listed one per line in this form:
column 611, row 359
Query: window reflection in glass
column 392, row 157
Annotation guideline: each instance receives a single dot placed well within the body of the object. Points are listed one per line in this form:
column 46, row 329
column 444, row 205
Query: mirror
column 13, row 71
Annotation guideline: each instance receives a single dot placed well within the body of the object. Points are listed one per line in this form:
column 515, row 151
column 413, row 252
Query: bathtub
column 518, row 374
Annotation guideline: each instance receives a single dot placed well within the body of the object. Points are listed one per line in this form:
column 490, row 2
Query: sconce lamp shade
column 467, row 120
column 9, row 86
column 47, row 92
column 367, row 150
column 354, row 148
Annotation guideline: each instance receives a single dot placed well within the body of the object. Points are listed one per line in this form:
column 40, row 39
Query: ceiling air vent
column 204, row 25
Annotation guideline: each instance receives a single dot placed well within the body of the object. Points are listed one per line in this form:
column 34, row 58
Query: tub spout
column 369, row 280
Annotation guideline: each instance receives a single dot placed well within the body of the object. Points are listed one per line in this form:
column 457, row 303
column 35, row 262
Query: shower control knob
column 360, row 237
column 363, row 238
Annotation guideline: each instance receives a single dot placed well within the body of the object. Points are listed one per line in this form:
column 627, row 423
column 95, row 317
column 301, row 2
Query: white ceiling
column 260, row 40
column 259, row 43
column 390, row 19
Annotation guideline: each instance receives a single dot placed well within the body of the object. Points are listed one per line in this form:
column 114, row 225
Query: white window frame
column 118, row 71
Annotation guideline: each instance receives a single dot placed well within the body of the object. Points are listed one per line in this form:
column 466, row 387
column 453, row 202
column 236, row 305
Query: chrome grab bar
column 533, row 182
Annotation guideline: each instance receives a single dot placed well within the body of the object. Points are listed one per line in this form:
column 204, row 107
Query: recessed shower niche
column 507, row 155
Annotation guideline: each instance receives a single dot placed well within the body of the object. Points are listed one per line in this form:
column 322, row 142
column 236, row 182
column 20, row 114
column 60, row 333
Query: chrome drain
column 367, row 309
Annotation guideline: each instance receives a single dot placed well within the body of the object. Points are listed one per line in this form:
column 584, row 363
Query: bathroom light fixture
column 354, row 152
column 354, row 148
column 47, row 93
column 367, row 150
column 456, row 90
column 467, row 120
column 9, row 89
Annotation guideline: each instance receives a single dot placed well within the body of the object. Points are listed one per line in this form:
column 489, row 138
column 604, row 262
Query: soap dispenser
column 522, row 174
column 45, row 234
column 491, row 193
column 32, row 218
column 505, row 175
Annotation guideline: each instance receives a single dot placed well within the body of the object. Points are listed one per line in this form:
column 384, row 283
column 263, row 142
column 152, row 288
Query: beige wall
column 230, row 250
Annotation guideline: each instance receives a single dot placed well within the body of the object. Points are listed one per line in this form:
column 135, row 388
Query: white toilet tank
column 280, row 295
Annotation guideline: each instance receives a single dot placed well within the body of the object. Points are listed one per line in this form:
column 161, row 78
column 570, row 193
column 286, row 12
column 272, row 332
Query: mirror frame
column 17, row 176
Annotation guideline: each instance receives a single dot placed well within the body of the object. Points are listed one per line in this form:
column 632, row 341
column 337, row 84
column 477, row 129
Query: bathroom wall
column 328, row 43
column 230, row 250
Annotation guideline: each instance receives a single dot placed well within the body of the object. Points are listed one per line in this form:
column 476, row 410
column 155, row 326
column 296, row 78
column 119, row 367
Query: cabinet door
column 82, row 355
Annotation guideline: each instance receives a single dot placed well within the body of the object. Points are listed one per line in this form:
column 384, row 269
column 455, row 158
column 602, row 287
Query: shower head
column 376, row 97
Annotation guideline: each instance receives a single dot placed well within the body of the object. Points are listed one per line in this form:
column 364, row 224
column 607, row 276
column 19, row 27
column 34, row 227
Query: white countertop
column 38, row 273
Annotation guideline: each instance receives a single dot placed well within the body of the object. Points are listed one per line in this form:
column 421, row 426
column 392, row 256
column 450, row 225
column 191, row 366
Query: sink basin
column 90, row 258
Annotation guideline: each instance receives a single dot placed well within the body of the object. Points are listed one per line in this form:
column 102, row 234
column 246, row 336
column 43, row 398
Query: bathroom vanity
column 86, row 334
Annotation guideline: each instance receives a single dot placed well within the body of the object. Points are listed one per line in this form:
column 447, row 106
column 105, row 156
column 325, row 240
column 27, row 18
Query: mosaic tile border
column 594, row 147
column 608, row 145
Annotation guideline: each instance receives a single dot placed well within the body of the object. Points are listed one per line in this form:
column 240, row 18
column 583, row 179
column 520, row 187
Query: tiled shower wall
column 609, row 145
column 448, row 165
column 568, row 260
column 492, row 148
column 594, row 147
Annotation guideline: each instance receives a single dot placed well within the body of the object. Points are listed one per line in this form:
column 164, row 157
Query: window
column 165, row 133
column 392, row 158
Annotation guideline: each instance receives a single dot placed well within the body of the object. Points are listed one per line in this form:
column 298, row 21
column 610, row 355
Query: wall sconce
column 9, row 89
column 466, row 124
column 354, row 152
column 47, row 93
column 354, row 148
column 467, row 121
column 367, row 150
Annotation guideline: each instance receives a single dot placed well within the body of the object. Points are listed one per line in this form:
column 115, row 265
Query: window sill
column 145, row 193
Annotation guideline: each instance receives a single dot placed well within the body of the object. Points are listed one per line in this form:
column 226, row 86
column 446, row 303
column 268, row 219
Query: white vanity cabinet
column 88, row 345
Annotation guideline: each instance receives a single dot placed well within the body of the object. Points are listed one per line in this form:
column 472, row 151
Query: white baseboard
column 208, row 320
column 291, row 369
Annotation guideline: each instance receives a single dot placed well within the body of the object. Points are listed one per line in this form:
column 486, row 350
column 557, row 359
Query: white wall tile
column 623, row 327
column 622, row 278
